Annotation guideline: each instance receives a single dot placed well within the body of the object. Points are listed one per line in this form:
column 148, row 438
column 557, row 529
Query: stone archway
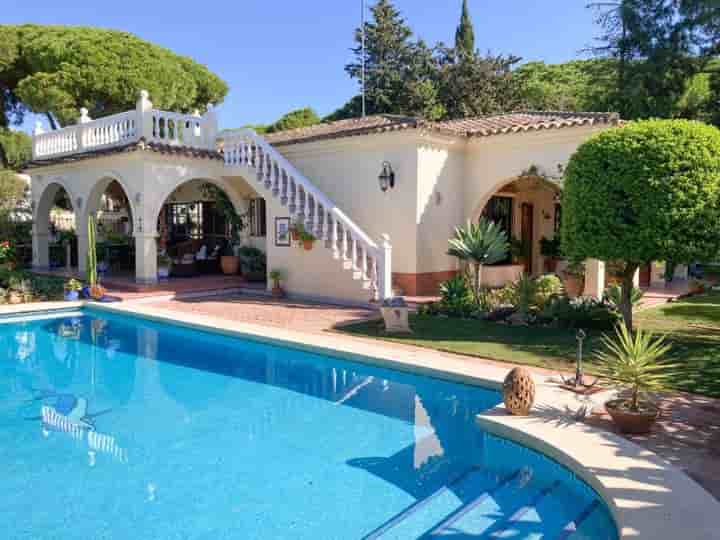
column 525, row 206
column 151, row 236
column 111, row 202
column 42, row 226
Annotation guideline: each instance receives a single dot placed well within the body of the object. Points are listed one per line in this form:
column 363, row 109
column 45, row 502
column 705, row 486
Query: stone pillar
column 657, row 274
column 146, row 258
column 41, row 250
column 594, row 278
column 82, row 248
column 143, row 123
column 384, row 278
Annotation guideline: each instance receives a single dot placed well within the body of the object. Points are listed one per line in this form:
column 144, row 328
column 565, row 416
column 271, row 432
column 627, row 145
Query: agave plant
column 479, row 244
column 633, row 361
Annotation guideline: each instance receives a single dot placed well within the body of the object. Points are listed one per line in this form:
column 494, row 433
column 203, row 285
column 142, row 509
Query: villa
column 381, row 194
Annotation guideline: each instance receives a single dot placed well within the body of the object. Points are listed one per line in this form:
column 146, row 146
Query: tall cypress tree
column 465, row 35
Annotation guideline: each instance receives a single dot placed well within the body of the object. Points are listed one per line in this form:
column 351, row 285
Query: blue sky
column 278, row 55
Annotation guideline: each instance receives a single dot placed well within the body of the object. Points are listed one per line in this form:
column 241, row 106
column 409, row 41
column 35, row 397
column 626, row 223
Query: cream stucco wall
column 347, row 170
column 440, row 197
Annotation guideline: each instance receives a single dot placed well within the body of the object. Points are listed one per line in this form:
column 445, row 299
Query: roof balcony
column 144, row 123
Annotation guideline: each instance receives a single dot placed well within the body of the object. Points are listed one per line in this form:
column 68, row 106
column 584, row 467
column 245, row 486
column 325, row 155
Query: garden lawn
column 692, row 326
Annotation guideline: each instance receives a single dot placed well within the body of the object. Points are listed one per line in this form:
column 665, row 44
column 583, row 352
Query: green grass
column 692, row 326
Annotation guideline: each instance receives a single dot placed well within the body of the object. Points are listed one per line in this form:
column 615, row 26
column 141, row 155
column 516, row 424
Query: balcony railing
column 155, row 126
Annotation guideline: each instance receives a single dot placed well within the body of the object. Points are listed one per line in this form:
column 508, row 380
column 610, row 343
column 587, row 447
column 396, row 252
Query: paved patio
column 687, row 435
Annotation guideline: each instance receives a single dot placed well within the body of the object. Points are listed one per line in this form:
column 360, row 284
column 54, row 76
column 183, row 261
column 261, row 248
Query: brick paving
column 687, row 434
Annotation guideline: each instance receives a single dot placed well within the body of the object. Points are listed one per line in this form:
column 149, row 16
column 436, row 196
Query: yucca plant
column 479, row 244
column 633, row 361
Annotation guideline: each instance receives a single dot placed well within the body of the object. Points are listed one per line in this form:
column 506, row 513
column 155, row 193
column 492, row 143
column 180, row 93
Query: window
column 500, row 210
column 257, row 214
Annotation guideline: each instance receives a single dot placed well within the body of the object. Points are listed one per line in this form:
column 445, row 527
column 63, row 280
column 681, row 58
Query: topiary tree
column 647, row 191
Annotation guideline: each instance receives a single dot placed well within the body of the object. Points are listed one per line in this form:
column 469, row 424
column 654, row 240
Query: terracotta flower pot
column 573, row 284
column 308, row 244
column 97, row 292
column 277, row 292
column 229, row 264
column 632, row 422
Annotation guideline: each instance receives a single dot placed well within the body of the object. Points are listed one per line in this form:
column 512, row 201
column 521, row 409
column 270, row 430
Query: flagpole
column 362, row 33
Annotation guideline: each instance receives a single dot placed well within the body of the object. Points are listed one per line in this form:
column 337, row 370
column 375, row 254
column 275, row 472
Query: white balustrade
column 155, row 126
column 309, row 204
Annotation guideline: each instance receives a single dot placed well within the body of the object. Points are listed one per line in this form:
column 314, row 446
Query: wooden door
column 527, row 234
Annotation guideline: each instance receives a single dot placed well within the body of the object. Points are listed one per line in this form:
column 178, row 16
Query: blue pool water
column 115, row 427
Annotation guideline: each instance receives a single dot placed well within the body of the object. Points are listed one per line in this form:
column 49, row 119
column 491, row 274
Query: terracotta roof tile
column 344, row 128
column 140, row 145
column 482, row 126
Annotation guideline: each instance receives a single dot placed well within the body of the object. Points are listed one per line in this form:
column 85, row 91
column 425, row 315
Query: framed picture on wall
column 282, row 232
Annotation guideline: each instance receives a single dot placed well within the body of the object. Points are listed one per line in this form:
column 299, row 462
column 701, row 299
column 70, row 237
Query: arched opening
column 202, row 220
column 110, row 204
column 528, row 209
column 55, row 232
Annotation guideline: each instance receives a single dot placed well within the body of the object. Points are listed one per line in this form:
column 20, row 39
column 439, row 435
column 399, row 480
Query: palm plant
column 479, row 244
column 633, row 361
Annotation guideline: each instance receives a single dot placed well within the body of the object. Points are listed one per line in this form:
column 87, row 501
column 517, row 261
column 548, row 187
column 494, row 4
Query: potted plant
column 550, row 250
column 72, row 290
column 253, row 263
column 229, row 261
column 307, row 239
column 574, row 278
column 634, row 363
column 164, row 264
column 296, row 229
column 276, row 276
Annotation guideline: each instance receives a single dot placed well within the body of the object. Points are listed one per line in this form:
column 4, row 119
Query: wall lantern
column 387, row 177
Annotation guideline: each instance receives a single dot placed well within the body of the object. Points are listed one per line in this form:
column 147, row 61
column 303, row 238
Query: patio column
column 146, row 258
column 82, row 249
column 41, row 250
column 594, row 278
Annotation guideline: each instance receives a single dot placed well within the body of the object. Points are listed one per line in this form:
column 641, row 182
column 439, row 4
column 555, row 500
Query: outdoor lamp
column 387, row 177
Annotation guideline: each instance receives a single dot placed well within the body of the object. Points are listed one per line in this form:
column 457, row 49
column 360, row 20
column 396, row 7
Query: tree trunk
column 627, row 287
column 51, row 120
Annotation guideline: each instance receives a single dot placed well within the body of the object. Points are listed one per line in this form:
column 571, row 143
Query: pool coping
column 648, row 497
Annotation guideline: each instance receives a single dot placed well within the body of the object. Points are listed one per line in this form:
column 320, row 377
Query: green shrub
column 457, row 297
column 581, row 313
column 253, row 263
column 547, row 287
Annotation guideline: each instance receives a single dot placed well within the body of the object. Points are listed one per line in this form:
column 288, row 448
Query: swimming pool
column 116, row 427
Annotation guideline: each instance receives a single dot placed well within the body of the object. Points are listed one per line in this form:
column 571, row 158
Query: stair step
column 489, row 510
column 423, row 513
column 533, row 519
column 587, row 520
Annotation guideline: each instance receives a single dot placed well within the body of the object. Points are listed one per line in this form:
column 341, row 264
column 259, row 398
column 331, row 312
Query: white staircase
column 354, row 249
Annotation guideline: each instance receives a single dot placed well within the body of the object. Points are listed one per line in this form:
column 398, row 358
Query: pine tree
column 465, row 35
column 387, row 47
